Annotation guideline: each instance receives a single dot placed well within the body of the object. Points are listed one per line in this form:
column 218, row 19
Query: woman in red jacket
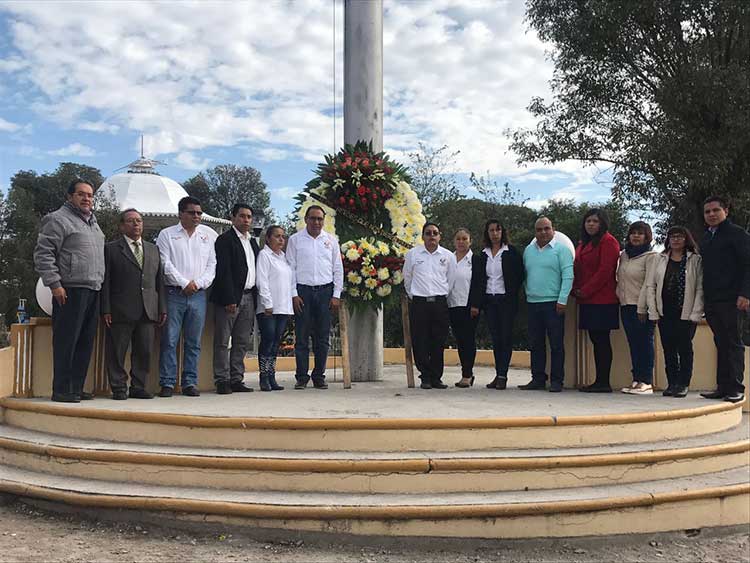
column 595, row 290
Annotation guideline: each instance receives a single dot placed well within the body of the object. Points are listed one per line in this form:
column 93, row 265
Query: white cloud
column 285, row 193
column 8, row 127
column 190, row 161
column 270, row 154
column 74, row 149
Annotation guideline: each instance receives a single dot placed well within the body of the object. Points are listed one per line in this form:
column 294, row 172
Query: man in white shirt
column 317, row 282
column 233, row 296
column 189, row 262
column 429, row 274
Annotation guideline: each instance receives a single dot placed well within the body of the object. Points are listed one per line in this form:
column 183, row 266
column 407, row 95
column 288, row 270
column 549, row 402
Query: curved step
column 373, row 472
column 364, row 434
column 717, row 499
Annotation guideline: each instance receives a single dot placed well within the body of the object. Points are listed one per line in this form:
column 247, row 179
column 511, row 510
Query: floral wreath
column 370, row 205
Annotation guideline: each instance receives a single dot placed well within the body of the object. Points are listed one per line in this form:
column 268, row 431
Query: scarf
column 634, row 251
column 681, row 289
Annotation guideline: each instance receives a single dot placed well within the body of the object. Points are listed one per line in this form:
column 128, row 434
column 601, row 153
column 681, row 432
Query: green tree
column 658, row 89
column 220, row 187
column 433, row 178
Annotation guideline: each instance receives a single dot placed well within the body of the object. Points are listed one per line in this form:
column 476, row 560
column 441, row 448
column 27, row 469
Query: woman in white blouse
column 274, row 283
column 462, row 317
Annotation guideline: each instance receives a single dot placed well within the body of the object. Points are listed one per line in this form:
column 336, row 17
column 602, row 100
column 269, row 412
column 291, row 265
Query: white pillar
column 363, row 120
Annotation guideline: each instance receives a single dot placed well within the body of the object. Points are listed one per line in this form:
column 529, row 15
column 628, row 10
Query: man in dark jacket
column 133, row 302
column 69, row 257
column 233, row 296
column 725, row 249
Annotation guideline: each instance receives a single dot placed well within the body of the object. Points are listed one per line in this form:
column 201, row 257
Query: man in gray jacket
column 69, row 257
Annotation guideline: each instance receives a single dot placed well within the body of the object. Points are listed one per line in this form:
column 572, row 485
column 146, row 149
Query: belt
column 432, row 299
column 316, row 287
column 177, row 287
column 246, row 291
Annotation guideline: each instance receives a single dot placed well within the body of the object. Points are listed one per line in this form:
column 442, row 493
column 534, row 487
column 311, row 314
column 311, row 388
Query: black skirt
column 599, row 317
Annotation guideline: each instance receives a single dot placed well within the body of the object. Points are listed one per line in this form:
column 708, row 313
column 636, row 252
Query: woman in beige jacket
column 631, row 291
column 675, row 300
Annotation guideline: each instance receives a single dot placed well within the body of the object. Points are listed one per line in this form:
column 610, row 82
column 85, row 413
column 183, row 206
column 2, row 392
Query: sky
column 252, row 83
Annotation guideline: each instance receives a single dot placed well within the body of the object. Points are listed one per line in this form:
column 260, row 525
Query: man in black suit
column 233, row 296
column 133, row 302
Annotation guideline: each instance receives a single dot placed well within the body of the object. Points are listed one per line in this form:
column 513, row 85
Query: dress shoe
column 138, row 393
column 463, row 384
column 274, row 384
column 735, row 398
column 596, row 388
column 240, row 387
column 439, row 385
column 680, row 392
column 191, row 391
column 320, row 384
column 425, row 385
column 533, row 386
column 714, row 395
column 555, row 387
column 223, row 388
column 166, row 392
column 66, row 398
column 119, row 395
column 85, row 396
column 501, row 383
column 668, row 392
column 300, row 384
column 492, row 384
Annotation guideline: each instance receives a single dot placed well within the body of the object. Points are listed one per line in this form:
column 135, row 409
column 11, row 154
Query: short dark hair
column 486, row 233
column 270, row 229
column 75, row 182
column 430, row 224
column 690, row 243
column 314, row 206
column 237, row 206
column 722, row 200
column 603, row 226
column 126, row 211
column 640, row 227
column 187, row 200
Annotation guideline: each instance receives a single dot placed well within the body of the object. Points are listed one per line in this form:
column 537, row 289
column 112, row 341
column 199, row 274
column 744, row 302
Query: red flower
column 342, row 200
column 361, row 190
column 351, row 202
column 365, row 162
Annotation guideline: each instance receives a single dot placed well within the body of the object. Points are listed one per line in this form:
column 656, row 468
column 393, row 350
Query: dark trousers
column 677, row 341
column 272, row 329
column 641, row 342
column 500, row 313
column 315, row 322
column 429, row 331
column 544, row 323
column 723, row 318
column 139, row 336
column 464, row 330
column 73, row 333
column 602, row 354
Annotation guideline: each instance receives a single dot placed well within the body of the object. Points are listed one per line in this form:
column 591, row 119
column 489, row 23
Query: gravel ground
column 30, row 534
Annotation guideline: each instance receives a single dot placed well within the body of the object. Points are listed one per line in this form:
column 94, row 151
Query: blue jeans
column 187, row 315
column 641, row 341
column 315, row 322
column 544, row 322
column 271, row 330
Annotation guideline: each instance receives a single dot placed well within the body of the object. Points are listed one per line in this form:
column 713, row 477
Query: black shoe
column 735, row 398
column 191, row 391
column 320, row 384
column 300, row 384
column 714, row 395
column 223, row 388
column 439, row 385
column 425, row 385
column 85, row 396
column 533, row 386
column 166, row 392
column 668, row 392
column 680, row 392
column 501, row 383
column 555, row 387
column 492, row 384
column 265, row 383
column 273, row 383
column 138, row 393
column 463, row 385
column 66, row 398
column 240, row 387
column 596, row 388
column 119, row 395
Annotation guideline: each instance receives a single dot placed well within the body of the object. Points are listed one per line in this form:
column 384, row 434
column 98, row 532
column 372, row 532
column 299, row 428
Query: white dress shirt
column 459, row 295
column 249, row 257
column 315, row 261
column 131, row 244
column 274, row 281
column 187, row 258
column 429, row 274
column 495, row 280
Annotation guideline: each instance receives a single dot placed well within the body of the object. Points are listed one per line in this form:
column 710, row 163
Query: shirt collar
column 503, row 248
column 551, row 243
column 423, row 249
column 130, row 240
column 468, row 256
column 246, row 236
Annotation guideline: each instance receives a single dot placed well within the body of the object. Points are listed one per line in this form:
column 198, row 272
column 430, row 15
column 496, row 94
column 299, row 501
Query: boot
column 264, row 365
column 272, row 376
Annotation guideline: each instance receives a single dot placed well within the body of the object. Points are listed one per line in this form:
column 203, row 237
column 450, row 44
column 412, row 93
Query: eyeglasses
column 193, row 212
column 316, row 219
column 133, row 221
column 431, row 233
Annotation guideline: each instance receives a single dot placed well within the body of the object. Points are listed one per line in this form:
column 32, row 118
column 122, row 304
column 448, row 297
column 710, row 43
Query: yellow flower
column 371, row 283
column 383, row 274
column 383, row 248
column 353, row 278
column 352, row 254
column 353, row 291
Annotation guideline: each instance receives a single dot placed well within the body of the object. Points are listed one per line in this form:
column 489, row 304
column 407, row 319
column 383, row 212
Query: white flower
column 371, row 283
column 383, row 274
column 353, row 291
column 352, row 254
column 353, row 278
column 397, row 277
column 383, row 290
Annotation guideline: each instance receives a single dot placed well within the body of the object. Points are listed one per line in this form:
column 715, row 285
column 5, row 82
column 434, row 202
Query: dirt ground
column 31, row 534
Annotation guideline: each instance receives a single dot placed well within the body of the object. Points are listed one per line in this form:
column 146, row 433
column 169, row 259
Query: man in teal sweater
column 549, row 277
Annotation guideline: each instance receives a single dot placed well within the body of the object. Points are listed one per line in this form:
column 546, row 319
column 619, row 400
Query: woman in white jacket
column 273, row 279
column 675, row 300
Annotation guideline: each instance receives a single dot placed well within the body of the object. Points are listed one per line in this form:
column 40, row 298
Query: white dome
column 148, row 193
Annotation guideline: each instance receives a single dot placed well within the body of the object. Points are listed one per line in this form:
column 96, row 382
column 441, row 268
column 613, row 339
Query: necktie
column 138, row 253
